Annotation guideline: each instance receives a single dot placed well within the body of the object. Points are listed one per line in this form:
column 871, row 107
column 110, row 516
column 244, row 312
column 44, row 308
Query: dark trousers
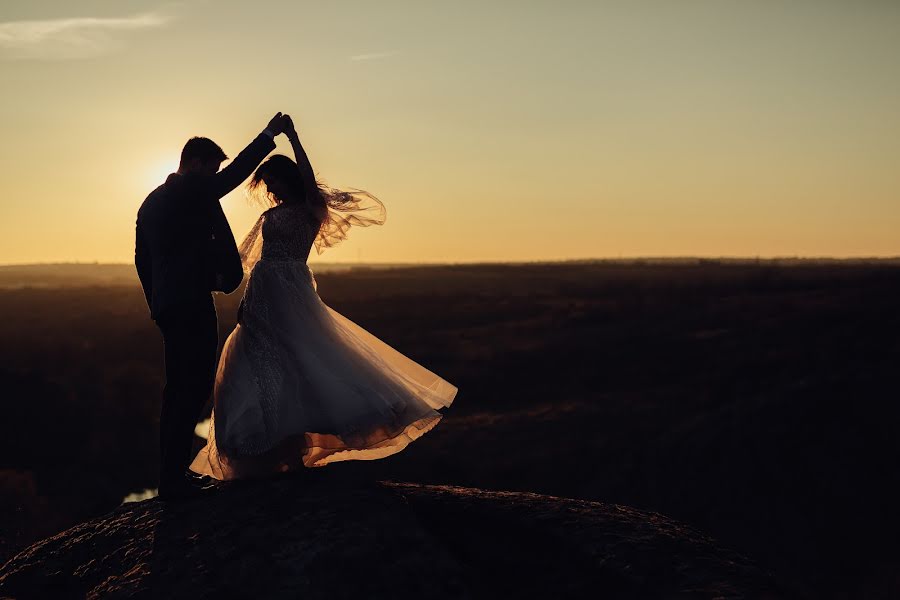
column 191, row 338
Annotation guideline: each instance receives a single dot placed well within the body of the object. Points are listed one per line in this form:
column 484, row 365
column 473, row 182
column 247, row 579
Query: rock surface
column 313, row 536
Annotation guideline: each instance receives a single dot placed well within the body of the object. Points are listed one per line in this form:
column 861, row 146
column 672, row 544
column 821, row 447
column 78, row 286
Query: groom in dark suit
column 184, row 251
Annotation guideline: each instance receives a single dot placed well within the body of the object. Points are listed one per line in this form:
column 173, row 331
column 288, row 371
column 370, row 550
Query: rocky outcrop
column 313, row 536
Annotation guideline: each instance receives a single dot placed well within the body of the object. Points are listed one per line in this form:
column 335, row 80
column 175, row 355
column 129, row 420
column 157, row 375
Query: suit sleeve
column 228, row 272
column 242, row 166
column 142, row 262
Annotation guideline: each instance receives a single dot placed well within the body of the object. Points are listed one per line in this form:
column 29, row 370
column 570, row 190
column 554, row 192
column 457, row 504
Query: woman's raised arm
column 306, row 170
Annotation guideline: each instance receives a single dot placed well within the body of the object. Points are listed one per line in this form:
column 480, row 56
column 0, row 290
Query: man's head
column 201, row 155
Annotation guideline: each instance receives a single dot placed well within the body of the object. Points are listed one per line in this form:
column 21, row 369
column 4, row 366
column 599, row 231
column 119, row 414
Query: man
column 184, row 251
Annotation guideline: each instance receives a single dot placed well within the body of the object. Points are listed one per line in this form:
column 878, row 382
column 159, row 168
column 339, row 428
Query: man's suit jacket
column 184, row 248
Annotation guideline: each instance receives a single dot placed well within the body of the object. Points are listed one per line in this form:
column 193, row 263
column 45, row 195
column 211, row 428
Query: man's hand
column 276, row 124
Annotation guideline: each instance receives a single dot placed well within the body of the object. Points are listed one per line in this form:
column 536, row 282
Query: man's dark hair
column 201, row 148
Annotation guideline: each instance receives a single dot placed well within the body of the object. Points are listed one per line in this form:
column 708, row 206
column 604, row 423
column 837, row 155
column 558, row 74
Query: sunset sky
column 505, row 130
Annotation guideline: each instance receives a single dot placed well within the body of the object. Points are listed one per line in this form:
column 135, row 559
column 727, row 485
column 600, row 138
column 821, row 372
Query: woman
column 298, row 384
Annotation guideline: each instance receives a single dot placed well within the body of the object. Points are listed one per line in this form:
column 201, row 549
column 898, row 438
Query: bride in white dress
column 299, row 384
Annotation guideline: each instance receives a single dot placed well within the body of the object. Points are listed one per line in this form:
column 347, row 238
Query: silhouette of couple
column 297, row 385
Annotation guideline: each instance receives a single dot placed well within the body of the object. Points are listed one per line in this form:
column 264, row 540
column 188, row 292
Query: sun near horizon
column 492, row 133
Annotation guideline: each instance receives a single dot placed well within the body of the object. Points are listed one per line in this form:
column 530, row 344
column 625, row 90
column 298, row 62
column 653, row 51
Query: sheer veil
column 251, row 248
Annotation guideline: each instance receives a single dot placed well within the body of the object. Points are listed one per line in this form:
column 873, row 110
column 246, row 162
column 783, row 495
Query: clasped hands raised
column 282, row 123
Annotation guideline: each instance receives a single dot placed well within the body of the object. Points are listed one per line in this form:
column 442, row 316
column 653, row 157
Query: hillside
column 310, row 536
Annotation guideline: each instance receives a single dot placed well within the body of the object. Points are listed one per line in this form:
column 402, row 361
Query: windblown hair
column 336, row 211
column 279, row 167
column 203, row 149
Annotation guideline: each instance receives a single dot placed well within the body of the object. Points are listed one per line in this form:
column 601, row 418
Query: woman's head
column 278, row 181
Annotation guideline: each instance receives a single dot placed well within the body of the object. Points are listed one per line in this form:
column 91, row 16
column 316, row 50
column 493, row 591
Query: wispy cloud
column 71, row 38
column 373, row 55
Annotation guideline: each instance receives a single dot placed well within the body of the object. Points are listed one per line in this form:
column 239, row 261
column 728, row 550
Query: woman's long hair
column 279, row 167
column 336, row 210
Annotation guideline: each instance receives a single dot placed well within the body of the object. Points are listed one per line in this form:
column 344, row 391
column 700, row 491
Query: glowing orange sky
column 491, row 131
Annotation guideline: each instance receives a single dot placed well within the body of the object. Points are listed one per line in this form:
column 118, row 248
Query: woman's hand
column 289, row 128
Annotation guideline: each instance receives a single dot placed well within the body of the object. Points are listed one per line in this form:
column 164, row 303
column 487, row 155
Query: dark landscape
column 755, row 401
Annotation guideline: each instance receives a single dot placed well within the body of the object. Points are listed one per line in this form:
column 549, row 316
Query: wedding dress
column 298, row 384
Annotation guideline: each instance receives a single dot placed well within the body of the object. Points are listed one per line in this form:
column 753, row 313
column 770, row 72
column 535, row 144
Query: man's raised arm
column 248, row 159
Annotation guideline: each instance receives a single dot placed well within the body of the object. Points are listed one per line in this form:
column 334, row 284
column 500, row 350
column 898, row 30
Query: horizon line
column 623, row 258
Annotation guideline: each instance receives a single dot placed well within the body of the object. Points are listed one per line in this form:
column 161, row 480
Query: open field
column 755, row 400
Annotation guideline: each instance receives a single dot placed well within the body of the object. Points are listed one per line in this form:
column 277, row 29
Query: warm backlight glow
column 158, row 170
column 490, row 131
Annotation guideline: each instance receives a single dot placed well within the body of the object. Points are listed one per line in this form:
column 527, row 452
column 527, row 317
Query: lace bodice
column 288, row 233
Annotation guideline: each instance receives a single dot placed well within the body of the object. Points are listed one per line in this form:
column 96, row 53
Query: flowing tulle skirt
column 298, row 385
